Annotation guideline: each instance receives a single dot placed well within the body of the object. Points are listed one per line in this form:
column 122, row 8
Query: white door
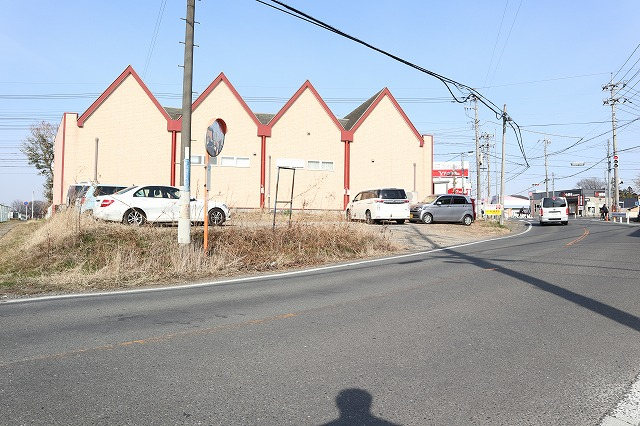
column 149, row 200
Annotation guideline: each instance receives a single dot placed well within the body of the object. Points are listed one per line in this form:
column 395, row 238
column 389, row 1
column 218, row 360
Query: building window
column 242, row 161
column 320, row 165
column 197, row 160
column 230, row 161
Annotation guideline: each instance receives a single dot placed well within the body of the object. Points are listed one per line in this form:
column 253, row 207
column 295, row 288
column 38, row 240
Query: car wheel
column 216, row 217
column 542, row 223
column 467, row 220
column 134, row 217
column 566, row 222
column 400, row 221
column 349, row 216
column 367, row 217
column 427, row 218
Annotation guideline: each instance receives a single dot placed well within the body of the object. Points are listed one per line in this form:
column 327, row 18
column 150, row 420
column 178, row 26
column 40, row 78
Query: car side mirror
column 438, row 203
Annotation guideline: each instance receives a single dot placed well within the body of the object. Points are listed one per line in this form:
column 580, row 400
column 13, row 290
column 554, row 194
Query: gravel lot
column 419, row 236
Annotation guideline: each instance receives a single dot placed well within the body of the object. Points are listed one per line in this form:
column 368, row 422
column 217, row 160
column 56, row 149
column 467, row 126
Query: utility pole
column 608, row 193
column 184, row 222
column 612, row 100
column 546, row 167
column 462, row 171
column 486, row 149
column 478, row 158
column 553, row 184
column 505, row 118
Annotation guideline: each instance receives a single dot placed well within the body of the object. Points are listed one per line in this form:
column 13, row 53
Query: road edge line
column 627, row 411
column 258, row 277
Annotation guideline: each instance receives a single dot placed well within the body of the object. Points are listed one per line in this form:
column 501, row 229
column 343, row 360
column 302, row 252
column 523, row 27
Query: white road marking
column 627, row 412
column 257, row 277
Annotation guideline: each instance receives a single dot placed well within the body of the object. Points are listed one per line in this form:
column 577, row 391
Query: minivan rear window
column 392, row 194
column 550, row 202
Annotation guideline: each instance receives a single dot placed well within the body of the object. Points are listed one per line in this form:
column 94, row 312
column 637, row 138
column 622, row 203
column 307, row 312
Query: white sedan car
column 155, row 203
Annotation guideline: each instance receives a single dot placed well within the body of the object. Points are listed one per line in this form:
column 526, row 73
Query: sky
column 546, row 60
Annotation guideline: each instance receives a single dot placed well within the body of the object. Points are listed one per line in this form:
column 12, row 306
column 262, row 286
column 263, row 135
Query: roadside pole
column 504, row 137
column 608, row 187
column 205, row 213
column 184, row 222
column 478, row 159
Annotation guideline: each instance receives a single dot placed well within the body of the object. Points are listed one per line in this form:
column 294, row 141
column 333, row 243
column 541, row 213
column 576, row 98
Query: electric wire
column 448, row 82
column 625, row 62
column 154, row 37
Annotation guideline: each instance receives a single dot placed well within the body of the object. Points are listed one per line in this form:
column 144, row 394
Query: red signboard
column 467, row 191
column 450, row 173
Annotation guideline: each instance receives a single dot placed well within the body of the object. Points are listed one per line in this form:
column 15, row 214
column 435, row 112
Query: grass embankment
column 71, row 253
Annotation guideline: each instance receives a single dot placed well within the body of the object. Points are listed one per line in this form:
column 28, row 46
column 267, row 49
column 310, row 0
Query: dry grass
column 74, row 253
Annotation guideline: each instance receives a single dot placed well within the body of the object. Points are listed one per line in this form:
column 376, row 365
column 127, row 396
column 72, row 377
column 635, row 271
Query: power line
column 154, row 37
column 625, row 62
column 495, row 70
column 448, row 82
column 504, row 12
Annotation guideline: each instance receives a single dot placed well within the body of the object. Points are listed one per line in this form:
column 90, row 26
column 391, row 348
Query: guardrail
column 621, row 215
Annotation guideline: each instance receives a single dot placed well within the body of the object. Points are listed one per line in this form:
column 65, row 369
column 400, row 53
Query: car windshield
column 122, row 191
column 392, row 194
column 430, row 199
column 554, row 202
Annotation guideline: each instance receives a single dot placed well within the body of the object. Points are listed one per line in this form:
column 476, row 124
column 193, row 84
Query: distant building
column 450, row 177
column 4, row 213
column 581, row 202
column 376, row 145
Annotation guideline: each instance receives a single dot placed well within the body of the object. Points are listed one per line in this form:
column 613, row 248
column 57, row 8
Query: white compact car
column 553, row 209
column 155, row 203
column 379, row 204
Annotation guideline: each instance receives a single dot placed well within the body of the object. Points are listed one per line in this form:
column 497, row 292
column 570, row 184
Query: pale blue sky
column 506, row 49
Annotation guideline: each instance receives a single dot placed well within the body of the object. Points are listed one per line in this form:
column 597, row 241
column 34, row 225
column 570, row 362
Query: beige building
column 126, row 137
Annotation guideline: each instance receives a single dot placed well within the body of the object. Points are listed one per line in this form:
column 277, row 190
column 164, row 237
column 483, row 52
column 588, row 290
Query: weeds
column 71, row 252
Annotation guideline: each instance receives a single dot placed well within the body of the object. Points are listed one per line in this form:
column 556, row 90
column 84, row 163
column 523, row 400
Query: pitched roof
column 306, row 86
column 129, row 71
column 220, row 79
column 360, row 114
column 174, row 113
column 264, row 118
column 352, row 118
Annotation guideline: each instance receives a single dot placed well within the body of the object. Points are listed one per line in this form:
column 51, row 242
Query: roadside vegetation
column 72, row 252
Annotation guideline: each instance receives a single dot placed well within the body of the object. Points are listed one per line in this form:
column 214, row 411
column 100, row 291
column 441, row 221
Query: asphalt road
column 541, row 328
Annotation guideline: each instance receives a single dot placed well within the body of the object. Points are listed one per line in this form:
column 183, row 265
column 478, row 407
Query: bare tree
column 38, row 148
column 591, row 183
column 39, row 207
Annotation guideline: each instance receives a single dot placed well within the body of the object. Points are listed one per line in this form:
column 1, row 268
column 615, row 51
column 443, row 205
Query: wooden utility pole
column 478, row 158
column 505, row 118
column 612, row 100
column 546, row 167
column 184, row 221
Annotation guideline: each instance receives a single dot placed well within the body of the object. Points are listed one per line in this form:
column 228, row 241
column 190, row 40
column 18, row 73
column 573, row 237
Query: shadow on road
column 355, row 409
column 593, row 305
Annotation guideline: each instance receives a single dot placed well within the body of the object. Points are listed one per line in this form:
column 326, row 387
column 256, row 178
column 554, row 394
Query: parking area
column 419, row 236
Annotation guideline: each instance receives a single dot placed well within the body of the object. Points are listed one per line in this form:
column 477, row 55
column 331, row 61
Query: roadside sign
column 26, row 203
column 637, row 203
column 493, row 209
